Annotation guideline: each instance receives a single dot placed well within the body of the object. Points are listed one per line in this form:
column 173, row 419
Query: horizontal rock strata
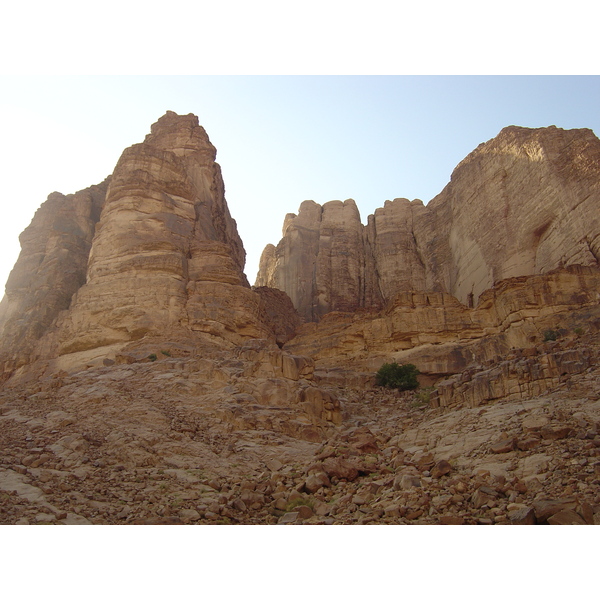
column 522, row 340
column 152, row 250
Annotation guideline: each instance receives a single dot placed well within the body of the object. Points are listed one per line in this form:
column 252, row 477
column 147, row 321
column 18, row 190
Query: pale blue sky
column 280, row 139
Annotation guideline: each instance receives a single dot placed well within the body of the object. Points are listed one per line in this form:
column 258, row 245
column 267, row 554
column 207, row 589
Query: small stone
column 441, row 468
column 304, row 512
column 392, row 511
column 414, row 514
column 315, row 481
column 482, row 496
column 122, row 514
column 189, row 514
column 290, row 517
column 240, row 505
column 75, row 519
column 280, row 504
column 326, row 453
column 544, row 509
column 252, row 498
column 451, row 520
column 587, row 512
column 534, row 423
column 503, row 446
column 522, row 516
column 528, row 443
column 461, row 487
column 45, row 518
column 323, row 509
column 566, row 517
column 406, row 482
column 555, row 432
column 274, row 465
column 294, row 495
column 425, row 462
column 340, row 468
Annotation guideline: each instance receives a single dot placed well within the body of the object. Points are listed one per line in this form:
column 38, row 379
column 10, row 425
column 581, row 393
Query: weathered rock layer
column 524, row 203
column 153, row 251
column 442, row 337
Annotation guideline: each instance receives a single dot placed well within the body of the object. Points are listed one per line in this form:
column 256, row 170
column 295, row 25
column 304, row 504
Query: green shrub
column 422, row 398
column 393, row 375
column 550, row 335
column 578, row 331
column 152, row 357
column 165, row 352
column 300, row 502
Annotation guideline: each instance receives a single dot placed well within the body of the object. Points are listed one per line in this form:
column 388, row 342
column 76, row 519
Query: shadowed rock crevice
column 51, row 267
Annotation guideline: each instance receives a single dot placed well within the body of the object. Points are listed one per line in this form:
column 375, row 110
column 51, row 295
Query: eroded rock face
column 323, row 253
column 166, row 253
column 51, row 267
column 154, row 252
column 441, row 336
column 524, row 203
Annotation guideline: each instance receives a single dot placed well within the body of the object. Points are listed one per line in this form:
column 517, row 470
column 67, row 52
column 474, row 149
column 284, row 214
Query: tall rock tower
column 154, row 251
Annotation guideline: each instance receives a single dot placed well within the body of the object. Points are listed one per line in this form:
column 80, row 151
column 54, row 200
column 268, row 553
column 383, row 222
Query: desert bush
column 401, row 377
column 550, row 335
column 300, row 502
column 422, row 397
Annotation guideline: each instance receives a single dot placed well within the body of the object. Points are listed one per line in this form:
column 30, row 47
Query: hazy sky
column 280, row 139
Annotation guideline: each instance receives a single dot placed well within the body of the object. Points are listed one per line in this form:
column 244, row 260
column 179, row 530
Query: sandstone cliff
column 524, row 203
column 153, row 251
column 52, row 266
column 443, row 337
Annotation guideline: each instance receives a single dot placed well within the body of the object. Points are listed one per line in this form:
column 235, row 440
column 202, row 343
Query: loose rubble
column 147, row 443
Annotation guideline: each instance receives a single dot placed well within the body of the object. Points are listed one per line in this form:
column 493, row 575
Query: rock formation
column 193, row 440
column 322, row 249
column 524, row 203
column 145, row 382
column 151, row 251
column 443, row 338
column 52, row 266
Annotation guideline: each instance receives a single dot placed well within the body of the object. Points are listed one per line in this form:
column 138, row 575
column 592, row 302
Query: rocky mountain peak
column 182, row 135
column 151, row 251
